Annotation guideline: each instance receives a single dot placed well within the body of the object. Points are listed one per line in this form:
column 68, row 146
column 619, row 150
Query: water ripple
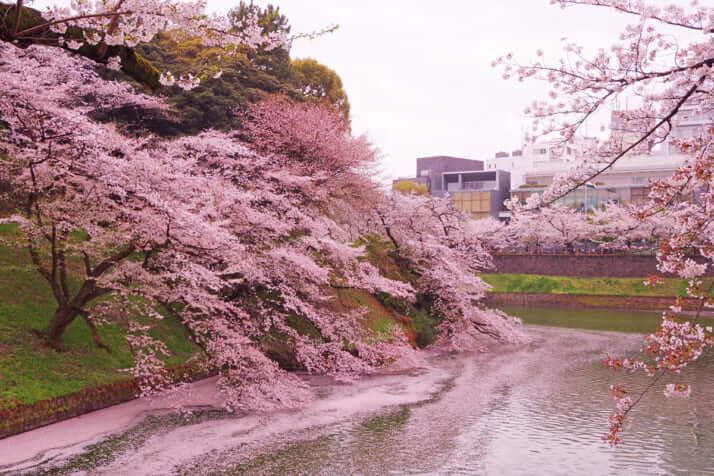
column 539, row 409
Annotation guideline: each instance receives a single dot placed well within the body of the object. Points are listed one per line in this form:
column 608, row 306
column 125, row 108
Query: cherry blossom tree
column 245, row 238
column 442, row 248
column 617, row 227
column 492, row 233
column 556, row 227
column 310, row 139
column 239, row 246
column 307, row 134
column 106, row 31
column 664, row 59
column 524, row 228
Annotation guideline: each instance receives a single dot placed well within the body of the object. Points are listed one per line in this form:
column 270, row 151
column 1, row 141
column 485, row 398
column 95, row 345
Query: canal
column 540, row 408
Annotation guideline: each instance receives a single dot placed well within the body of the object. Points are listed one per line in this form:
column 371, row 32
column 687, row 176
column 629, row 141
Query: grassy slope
column 29, row 371
column 415, row 319
column 526, row 283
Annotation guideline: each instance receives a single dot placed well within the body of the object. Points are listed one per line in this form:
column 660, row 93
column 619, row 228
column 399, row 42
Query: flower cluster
column 245, row 244
column 677, row 390
column 128, row 23
column 617, row 420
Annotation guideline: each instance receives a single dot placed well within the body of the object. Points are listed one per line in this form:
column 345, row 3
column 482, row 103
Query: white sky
column 418, row 73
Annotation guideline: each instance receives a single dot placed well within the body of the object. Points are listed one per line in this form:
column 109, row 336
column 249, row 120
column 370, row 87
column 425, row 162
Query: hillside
column 31, row 372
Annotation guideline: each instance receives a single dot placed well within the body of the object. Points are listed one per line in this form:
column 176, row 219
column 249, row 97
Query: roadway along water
column 535, row 409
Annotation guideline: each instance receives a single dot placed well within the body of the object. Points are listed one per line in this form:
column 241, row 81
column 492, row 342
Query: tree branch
column 48, row 24
column 482, row 328
column 18, row 16
column 651, row 131
column 634, row 12
column 93, row 328
column 102, row 267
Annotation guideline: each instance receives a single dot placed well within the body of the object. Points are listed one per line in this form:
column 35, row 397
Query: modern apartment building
column 480, row 187
column 628, row 181
column 429, row 171
column 473, row 189
column 626, row 130
column 535, row 156
column 480, row 193
column 692, row 121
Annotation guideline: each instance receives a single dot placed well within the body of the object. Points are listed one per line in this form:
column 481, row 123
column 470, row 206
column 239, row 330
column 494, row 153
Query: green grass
column 378, row 319
column 380, row 253
column 29, row 371
column 419, row 325
column 527, row 283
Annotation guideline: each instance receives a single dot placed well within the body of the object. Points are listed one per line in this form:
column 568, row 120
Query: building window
column 480, row 201
column 473, row 202
column 639, row 195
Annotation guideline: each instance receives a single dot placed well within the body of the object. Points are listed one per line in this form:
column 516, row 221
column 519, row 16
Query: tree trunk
column 63, row 317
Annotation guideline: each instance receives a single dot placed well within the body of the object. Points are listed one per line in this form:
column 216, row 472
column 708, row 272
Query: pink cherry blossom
column 244, row 243
column 131, row 22
column 657, row 61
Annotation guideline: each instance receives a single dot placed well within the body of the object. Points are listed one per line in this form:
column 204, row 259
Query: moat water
column 540, row 408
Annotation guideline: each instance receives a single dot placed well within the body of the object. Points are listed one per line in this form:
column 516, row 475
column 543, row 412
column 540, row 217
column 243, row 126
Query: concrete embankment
column 22, row 418
column 84, row 427
column 582, row 266
column 595, row 301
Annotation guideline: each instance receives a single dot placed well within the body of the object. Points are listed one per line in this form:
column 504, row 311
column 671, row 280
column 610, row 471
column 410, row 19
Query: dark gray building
column 432, row 169
column 474, row 190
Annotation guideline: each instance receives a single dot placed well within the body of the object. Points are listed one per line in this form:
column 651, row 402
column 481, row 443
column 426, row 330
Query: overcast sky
column 418, row 73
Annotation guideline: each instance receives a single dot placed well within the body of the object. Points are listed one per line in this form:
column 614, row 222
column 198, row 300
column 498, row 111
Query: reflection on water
column 535, row 409
column 595, row 319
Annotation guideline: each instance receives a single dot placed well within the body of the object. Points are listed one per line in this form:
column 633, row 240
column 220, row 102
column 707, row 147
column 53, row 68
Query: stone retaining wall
column 579, row 301
column 21, row 418
column 584, row 266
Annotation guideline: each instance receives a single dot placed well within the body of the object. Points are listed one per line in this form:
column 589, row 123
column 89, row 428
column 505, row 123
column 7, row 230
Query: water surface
column 540, row 408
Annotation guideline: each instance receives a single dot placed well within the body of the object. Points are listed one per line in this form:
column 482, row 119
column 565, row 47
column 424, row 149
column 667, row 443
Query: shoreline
column 82, row 429
column 28, row 419
column 333, row 401
column 24, row 418
column 592, row 301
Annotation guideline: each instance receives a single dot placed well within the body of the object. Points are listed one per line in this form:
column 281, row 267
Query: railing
column 479, row 185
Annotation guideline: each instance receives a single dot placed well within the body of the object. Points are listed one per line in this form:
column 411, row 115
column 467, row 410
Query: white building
column 515, row 162
column 534, row 166
column 628, row 181
column 537, row 156
column 691, row 121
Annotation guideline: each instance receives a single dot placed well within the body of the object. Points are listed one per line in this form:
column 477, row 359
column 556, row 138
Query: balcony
column 490, row 185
